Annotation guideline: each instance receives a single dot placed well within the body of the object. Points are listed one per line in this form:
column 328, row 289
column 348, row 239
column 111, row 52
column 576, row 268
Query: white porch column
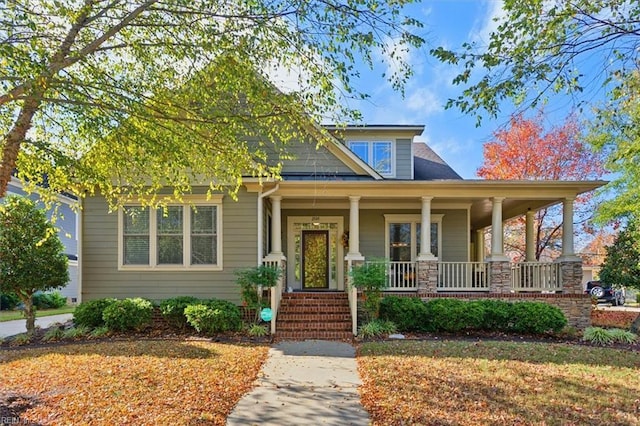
column 354, row 229
column 530, row 253
column 567, row 232
column 425, row 231
column 480, row 245
column 276, row 229
column 497, row 237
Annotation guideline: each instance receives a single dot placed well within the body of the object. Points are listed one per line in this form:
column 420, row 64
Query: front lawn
column 16, row 315
column 143, row 382
column 498, row 383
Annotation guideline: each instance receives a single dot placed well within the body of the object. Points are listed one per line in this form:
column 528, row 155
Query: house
column 362, row 195
column 67, row 224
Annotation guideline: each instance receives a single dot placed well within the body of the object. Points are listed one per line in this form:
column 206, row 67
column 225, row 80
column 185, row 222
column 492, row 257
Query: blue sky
column 451, row 134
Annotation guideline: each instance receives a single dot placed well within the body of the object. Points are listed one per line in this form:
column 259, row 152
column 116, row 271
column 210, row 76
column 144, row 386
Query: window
column 377, row 154
column 178, row 237
column 403, row 236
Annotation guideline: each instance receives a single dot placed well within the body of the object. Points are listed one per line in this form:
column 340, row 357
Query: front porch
column 317, row 243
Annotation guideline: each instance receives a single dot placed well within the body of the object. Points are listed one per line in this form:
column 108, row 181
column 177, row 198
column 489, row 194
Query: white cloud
column 424, row 100
column 488, row 23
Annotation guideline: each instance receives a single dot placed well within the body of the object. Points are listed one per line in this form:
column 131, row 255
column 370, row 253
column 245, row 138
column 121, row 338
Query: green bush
column 408, row 313
column 127, row 314
column 536, row 318
column 453, row 315
column 173, row 310
column 496, row 314
column 214, row 316
column 371, row 279
column 598, row 336
column 89, row 314
column 9, row 301
column 49, row 300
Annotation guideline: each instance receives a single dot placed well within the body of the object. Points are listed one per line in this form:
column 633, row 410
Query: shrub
column 127, row 314
column 214, row 316
column 408, row 313
column 49, row 300
column 496, row 314
column 453, row 315
column 173, row 310
column 8, row 301
column 89, row 313
column 536, row 318
column 376, row 328
column 371, row 278
column 252, row 281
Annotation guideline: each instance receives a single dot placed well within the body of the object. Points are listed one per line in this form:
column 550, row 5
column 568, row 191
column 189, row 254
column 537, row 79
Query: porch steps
column 318, row 315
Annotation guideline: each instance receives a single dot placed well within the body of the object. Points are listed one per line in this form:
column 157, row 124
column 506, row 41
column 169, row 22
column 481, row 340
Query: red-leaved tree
column 526, row 150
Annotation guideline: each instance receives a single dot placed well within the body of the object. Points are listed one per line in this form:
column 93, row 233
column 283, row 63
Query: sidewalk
column 311, row 382
column 11, row 328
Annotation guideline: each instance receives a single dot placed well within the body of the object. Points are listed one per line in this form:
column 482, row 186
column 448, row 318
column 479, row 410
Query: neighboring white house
column 67, row 224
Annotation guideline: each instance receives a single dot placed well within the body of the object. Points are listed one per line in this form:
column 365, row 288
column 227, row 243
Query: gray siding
column 310, row 160
column 101, row 277
column 455, row 244
column 403, row 158
column 455, row 240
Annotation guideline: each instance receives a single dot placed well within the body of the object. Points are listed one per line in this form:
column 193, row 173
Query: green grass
column 16, row 315
column 498, row 383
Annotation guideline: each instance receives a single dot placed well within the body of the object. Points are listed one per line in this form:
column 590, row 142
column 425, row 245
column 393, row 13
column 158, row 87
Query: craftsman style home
column 367, row 193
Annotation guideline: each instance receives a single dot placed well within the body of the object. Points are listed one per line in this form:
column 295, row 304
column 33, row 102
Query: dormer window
column 377, row 154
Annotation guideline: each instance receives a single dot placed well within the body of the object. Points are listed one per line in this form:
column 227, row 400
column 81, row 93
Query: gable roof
column 427, row 165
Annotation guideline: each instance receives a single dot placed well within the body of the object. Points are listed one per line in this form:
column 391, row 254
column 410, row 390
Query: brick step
column 306, row 326
column 329, row 295
column 319, row 335
column 318, row 302
column 313, row 317
column 313, row 309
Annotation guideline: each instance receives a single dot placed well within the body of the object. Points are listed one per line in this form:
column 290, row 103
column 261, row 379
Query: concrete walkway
column 311, row 382
column 11, row 328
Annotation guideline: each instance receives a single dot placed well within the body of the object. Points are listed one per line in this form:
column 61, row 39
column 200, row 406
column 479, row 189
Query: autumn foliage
column 526, row 150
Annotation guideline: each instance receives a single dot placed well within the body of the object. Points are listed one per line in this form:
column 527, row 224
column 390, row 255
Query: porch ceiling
column 476, row 195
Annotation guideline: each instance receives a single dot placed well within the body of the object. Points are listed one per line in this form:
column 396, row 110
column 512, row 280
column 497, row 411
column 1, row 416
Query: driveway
column 11, row 328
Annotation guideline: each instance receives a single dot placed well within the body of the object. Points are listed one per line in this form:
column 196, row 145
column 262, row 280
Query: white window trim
column 370, row 142
column 214, row 200
column 413, row 219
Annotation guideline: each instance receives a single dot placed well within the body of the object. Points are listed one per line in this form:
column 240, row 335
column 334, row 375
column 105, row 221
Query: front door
column 315, row 259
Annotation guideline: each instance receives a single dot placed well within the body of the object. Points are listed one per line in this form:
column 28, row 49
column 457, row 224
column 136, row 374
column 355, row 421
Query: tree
column 78, row 74
column 617, row 133
column 31, row 254
column 527, row 151
column 621, row 267
column 539, row 47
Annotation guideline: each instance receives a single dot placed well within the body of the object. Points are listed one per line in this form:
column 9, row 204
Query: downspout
column 79, row 245
column 261, row 197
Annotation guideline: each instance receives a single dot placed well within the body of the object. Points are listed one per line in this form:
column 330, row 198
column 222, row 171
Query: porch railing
column 402, row 276
column 536, row 276
column 463, row 276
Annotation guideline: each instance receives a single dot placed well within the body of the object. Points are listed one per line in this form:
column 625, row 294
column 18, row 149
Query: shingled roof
column 427, row 165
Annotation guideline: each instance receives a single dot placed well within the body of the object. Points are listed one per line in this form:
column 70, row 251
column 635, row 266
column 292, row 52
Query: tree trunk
column 30, row 314
column 635, row 326
column 14, row 137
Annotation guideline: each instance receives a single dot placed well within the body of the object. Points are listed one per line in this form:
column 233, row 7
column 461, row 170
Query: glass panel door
column 315, row 259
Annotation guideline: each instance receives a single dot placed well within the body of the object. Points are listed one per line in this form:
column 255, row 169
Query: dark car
column 605, row 293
